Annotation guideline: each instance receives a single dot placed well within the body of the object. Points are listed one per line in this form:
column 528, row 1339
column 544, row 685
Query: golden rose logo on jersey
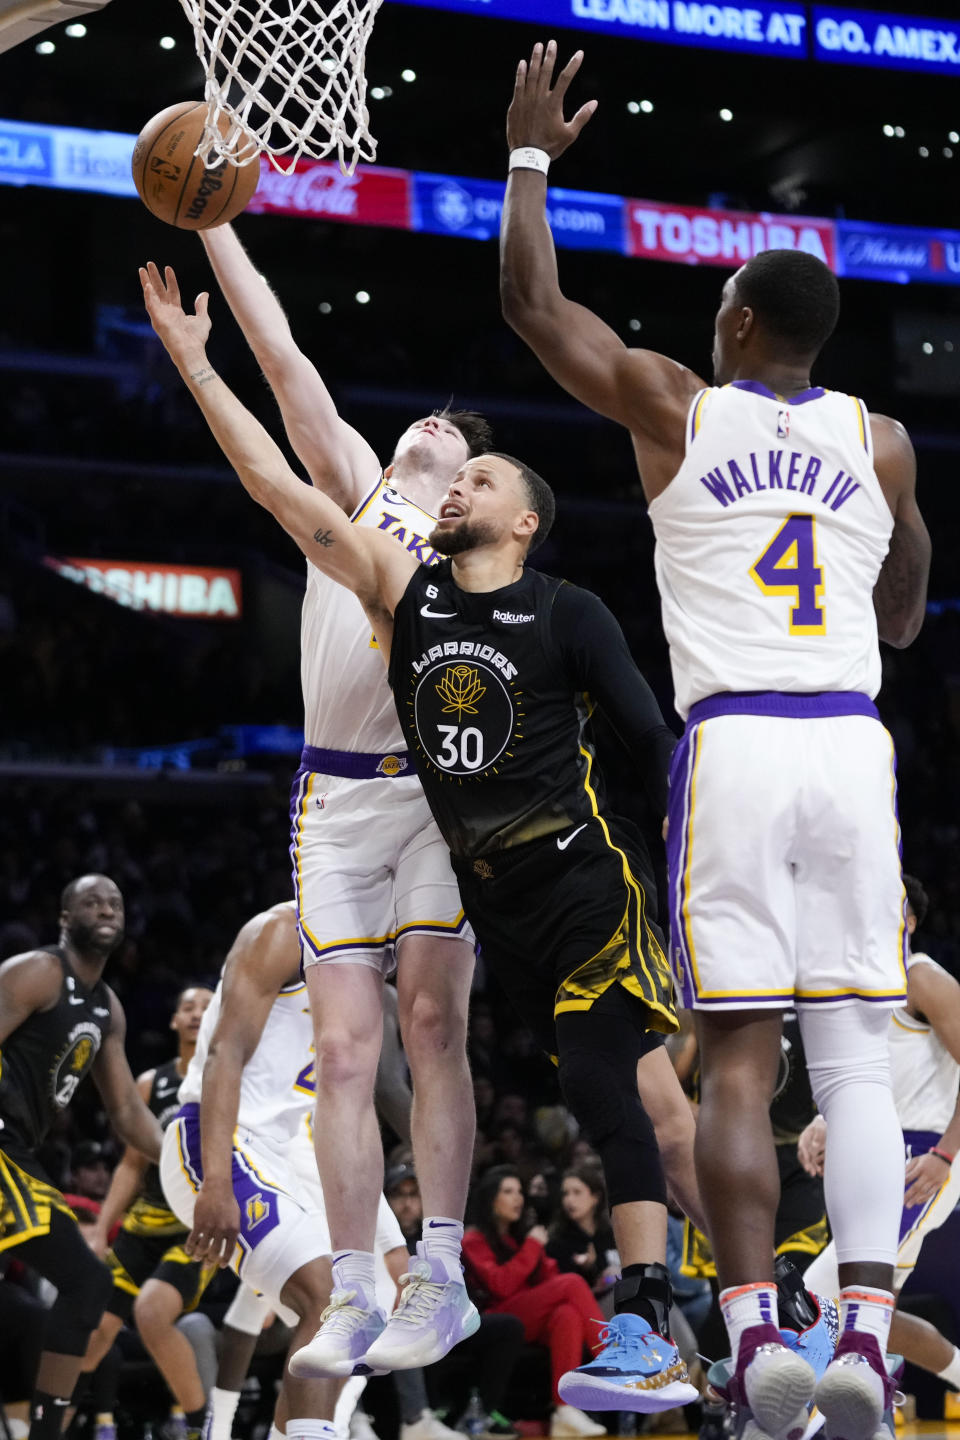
column 80, row 1058
column 460, row 688
column 74, row 1061
column 466, row 716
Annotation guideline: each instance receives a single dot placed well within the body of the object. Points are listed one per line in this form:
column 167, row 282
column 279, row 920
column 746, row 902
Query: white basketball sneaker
column 434, row 1314
column 346, row 1333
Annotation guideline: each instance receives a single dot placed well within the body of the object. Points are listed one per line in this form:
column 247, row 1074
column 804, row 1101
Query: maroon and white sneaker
column 775, row 1383
column 855, row 1391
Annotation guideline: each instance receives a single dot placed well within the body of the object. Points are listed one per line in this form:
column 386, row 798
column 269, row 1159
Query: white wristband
column 528, row 157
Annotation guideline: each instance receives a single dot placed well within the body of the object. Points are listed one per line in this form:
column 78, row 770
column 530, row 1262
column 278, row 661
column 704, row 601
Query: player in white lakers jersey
column 787, row 533
column 372, row 875
column 227, row 1164
column 925, row 1063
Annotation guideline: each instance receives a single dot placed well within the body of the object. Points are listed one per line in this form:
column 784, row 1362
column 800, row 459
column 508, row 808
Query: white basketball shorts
column 281, row 1228
column 370, row 867
column 784, row 855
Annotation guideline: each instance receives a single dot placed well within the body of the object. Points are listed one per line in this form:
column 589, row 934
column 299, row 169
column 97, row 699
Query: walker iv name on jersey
column 778, row 470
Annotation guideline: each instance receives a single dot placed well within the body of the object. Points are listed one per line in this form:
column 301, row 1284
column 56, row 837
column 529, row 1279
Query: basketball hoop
column 288, row 77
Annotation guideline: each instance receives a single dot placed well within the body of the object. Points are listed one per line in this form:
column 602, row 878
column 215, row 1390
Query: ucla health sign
column 451, row 205
column 65, row 158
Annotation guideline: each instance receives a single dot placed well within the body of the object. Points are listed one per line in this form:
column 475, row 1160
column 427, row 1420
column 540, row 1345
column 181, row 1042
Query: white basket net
column 287, row 77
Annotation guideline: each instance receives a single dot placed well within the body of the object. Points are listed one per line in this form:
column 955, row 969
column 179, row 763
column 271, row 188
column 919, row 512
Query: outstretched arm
column 646, row 392
column 900, row 594
column 338, row 459
column 365, row 561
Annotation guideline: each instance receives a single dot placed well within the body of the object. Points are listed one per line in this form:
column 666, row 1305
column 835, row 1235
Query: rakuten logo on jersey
column 722, row 237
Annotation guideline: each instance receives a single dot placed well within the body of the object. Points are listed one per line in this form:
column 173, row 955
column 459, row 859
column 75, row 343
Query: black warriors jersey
column 44, row 1060
column 489, row 691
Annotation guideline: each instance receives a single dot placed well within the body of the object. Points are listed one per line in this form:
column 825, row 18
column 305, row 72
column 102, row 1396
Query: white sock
column 952, row 1373
column 310, row 1429
column 275, row 1433
column 441, row 1241
column 867, row 1311
column 221, row 1408
column 746, row 1305
column 353, row 1270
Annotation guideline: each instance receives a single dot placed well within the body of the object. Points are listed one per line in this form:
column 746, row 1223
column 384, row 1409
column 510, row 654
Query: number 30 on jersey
column 788, row 566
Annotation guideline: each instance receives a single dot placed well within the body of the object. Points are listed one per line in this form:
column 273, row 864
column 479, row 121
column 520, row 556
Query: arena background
column 159, row 748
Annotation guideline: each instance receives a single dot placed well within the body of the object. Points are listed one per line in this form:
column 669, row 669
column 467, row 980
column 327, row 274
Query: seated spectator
column 90, row 1170
column 510, row 1273
column 581, row 1238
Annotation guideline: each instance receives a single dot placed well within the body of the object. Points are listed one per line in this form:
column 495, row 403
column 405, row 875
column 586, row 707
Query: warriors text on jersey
column 347, row 704
column 44, row 1060
column 924, row 1075
column 492, row 693
column 279, row 1079
column 770, row 539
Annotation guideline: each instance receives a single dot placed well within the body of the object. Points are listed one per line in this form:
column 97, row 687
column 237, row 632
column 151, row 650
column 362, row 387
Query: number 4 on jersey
column 789, row 566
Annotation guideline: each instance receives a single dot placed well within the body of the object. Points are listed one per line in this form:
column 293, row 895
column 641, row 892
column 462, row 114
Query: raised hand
column 182, row 334
column 536, row 116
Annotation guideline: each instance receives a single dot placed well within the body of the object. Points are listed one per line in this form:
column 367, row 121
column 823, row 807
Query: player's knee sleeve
column 845, row 1047
column 601, row 1092
column 82, row 1294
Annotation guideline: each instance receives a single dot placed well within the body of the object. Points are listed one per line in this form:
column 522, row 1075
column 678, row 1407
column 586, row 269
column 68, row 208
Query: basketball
column 175, row 185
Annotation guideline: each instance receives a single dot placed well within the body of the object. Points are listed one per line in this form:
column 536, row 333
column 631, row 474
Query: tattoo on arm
column 323, row 537
column 201, row 377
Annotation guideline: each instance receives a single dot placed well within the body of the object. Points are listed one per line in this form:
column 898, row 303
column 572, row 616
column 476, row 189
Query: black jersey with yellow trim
column 494, row 692
column 45, row 1058
column 163, row 1102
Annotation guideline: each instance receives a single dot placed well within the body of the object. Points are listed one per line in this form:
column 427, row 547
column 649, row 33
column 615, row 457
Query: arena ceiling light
column 726, row 114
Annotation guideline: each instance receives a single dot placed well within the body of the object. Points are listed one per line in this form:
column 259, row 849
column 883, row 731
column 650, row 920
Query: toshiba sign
column 722, row 237
column 196, row 591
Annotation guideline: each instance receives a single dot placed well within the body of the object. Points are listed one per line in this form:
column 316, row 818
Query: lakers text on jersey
column 369, row 866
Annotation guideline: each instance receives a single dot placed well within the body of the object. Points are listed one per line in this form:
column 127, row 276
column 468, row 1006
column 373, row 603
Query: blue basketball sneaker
column 637, row 1369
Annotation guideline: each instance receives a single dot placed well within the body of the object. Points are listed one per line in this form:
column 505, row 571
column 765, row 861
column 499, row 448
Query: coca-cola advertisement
column 319, row 190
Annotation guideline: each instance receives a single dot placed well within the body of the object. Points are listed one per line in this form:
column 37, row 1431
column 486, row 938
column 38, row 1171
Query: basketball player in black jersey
column 58, row 1023
column 490, row 664
column 154, row 1279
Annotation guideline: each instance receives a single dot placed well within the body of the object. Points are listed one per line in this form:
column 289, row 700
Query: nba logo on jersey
column 783, row 424
column 257, row 1210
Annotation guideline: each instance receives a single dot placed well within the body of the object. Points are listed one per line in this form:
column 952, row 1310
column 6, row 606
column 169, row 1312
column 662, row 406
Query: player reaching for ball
column 787, row 527
column 490, row 664
column 372, row 876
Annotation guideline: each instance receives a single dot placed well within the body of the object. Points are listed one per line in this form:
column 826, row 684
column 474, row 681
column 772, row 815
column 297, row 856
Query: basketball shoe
column 856, row 1392
column 346, row 1333
column 774, row 1382
column 636, row 1369
column 434, row 1313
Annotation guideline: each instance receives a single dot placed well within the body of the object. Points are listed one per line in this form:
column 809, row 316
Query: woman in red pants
column 512, row 1273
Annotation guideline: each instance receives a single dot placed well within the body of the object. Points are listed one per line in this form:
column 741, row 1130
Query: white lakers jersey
column 770, row 539
column 279, row 1079
column 346, row 699
column 925, row 1076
